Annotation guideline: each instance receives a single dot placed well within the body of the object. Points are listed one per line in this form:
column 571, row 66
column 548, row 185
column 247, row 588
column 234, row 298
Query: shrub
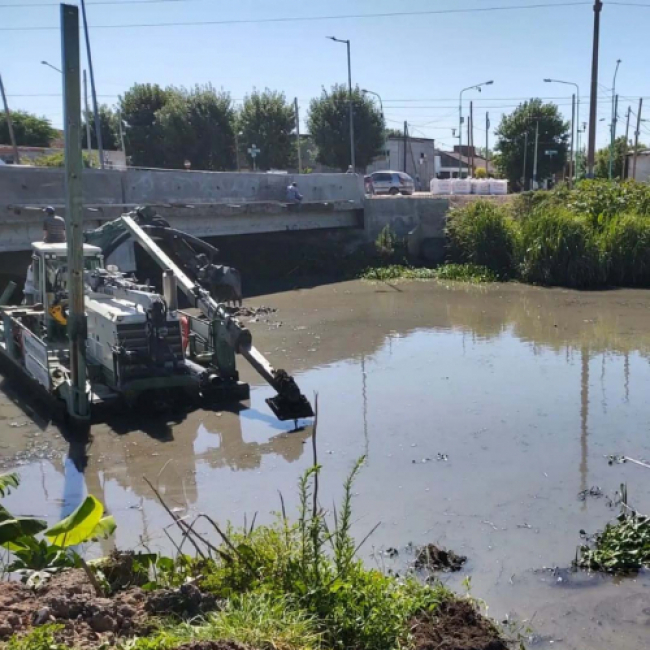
column 483, row 234
column 625, row 246
column 558, row 248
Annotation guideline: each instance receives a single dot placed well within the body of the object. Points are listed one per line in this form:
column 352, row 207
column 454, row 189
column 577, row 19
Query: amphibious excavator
column 138, row 341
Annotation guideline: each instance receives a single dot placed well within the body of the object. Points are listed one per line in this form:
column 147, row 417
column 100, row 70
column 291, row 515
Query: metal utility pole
column 460, row 119
column 78, row 406
column 572, row 164
column 577, row 120
column 614, row 120
column 10, row 125
column 89, row 143
column 470, row 139
column 405, row 143
column 351, row 108
column 625, row 148
column 487, row 145
column 593, row 100
column 119, row 124
column 383, row 119
column 535, row 155
column 295, row 107
column 523, row 178
column 98, row 131
column 636, row 137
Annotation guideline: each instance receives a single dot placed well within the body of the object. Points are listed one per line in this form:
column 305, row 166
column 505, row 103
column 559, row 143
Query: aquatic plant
column 623, row 546
column 466, row 273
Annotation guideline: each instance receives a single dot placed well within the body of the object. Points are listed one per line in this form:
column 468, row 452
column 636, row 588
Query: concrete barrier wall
column 222, row 203
column 404, row 214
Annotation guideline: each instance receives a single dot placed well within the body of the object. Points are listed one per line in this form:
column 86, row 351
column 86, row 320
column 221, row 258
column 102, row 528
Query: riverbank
column 484, row 411
column 294, row 586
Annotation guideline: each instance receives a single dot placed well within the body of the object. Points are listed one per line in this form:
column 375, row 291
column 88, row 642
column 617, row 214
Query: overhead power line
column 97, row 2
column 306, row 19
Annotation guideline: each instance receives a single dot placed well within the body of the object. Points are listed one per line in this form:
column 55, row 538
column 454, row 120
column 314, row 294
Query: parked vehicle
column 390, row 182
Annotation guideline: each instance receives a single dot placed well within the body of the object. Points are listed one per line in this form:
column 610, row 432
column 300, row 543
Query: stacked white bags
column 498, row 187
column 480, row 186
column 440, row 186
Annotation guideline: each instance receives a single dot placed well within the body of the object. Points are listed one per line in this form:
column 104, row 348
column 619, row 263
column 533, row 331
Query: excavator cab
column 50, row 280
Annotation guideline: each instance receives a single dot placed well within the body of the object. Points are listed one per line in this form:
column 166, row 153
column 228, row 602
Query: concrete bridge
column 204, row 204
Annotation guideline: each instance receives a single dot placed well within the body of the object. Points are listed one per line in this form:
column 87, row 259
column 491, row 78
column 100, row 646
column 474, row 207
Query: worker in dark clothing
column 53, row 227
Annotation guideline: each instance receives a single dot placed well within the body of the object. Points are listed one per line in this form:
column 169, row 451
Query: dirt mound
column 89, row 621
column 437, row 559
column 455, row 625
column 213, row 645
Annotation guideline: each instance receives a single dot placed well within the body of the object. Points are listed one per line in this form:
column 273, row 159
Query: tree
column 199, row 126
column 30, row 130
column 267, row 121
column 601, row 168
column 109, row 128
column 329, row 124
column 139, row 107
column 394, row 133
column 511, row 138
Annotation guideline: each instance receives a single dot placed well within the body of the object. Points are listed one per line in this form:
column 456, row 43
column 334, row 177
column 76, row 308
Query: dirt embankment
column 91, row 622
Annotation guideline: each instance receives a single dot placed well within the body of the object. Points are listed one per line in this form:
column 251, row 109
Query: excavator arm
column 289, row 403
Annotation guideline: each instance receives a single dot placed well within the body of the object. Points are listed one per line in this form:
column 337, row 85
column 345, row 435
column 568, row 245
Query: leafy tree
column 267, row 120
column 199, row 126
column 329, row 125
column 109, row 128
column 553, row 135
column 394, row 133
column 601, row 167
column 142, row 131
column 30, row 130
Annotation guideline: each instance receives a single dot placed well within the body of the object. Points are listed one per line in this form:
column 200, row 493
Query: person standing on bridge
column 293, row 195
column 53, row 227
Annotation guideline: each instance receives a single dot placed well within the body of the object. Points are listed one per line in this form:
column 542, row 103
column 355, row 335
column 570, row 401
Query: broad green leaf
column 10, row 531
column 78, row 526
column 8, row 482
column 104, row 529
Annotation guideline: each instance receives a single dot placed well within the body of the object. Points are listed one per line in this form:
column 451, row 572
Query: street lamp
column 571, row 83
column 49, row 65
column 614, row 116
column 460, row 119
column 381, row 105
column 347, row 43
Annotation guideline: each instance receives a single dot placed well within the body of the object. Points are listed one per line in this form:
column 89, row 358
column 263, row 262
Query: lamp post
column 577, row 122
column 614, row 116
column 381, row 106
column 49, row 65
column 460, row 118
column 347, row 43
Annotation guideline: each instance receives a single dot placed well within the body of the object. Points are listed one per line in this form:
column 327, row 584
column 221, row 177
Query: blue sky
column 417, row 63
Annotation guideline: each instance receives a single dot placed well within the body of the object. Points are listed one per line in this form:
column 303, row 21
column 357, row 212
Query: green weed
column 398, row 272
column 466, row 273
column 40, row 638
column 625, row 249
column 483, row 234
column 558, row 248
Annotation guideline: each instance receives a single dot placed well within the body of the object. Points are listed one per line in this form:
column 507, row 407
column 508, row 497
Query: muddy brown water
column 483, row 412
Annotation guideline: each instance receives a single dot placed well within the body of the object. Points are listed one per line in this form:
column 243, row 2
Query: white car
column 390, row 182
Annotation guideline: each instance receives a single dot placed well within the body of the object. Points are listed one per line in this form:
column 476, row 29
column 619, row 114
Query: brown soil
column 455, row 625
column 437, row 559
column 89, row 621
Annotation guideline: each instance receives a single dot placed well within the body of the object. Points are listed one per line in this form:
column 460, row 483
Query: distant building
column 642, row 166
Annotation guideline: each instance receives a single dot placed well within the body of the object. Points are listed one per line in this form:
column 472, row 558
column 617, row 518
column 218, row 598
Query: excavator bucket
column 289, row 403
